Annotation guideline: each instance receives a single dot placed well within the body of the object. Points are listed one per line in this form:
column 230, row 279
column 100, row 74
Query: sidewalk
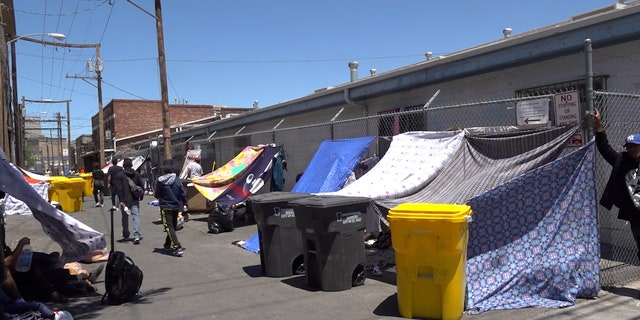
column 218, row 280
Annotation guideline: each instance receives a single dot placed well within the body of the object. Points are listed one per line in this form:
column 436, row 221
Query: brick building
column 128, row 121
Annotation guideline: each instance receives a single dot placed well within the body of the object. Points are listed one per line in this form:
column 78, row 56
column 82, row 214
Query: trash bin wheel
column 358, row 276
column 298, row 266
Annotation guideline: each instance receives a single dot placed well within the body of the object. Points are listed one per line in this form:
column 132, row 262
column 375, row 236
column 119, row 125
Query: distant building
column 128, row 121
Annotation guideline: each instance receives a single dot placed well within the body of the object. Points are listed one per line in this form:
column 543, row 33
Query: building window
column 599, row 84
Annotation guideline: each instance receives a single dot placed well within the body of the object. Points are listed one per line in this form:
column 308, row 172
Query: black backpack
column 122, row 279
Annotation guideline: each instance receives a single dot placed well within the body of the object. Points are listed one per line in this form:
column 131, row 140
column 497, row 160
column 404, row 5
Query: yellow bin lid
column 431, row 211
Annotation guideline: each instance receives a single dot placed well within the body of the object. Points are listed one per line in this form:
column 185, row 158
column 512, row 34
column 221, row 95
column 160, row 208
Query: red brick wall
column 134, row 116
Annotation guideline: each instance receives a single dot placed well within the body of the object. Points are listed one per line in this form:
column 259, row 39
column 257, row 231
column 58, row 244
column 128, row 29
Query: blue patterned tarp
column 533, row 241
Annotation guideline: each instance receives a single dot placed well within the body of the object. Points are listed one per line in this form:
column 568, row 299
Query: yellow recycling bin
column 88, row 184
column 430, row 243
column 68, row 192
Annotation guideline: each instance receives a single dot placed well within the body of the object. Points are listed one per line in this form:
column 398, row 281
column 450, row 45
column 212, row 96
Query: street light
column 52, row 35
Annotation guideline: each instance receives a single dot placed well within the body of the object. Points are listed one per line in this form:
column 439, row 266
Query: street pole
column 68, row 138
column 98, row 77
column 18, row 116
column 60, row 154
column 100, row 111
column 166, row 121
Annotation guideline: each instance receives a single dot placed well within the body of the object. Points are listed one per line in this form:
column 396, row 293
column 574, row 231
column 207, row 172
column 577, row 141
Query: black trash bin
column 332, row 230
column 281, row 251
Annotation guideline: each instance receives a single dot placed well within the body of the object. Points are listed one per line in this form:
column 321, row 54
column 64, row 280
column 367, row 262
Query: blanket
column 534, row 240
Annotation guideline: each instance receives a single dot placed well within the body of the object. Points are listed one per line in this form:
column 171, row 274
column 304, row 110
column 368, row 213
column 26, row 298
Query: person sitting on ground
column 44, row 281
column 12, row 305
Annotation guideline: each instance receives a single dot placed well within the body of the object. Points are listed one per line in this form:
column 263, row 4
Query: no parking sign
column 567, row 110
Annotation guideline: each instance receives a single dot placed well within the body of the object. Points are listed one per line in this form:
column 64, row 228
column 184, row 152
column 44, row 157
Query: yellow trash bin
column 88, row 184
column 430, row 243
column 68, row 192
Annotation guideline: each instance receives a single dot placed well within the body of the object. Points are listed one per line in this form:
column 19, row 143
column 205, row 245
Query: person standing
column 194, row 169
column 622, row 189
column 113, row 170
column 172, row 199
column 98, row 184
column 129, row 203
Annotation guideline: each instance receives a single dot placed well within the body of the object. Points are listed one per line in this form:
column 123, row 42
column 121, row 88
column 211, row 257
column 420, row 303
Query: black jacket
column 122, row 185
column 616, row 193
column 170, row 193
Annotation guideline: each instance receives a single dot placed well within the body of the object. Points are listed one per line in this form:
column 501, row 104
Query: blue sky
column 234, row 52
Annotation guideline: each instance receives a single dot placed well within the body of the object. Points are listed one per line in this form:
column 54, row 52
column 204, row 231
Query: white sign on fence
column 567, row 110
column 532, row 111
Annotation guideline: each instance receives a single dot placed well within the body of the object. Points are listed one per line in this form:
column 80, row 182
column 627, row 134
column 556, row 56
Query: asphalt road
column 216, row 279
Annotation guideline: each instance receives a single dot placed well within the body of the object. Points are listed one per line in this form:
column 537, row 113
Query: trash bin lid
column 431, row 211
column 328, row 201
column 277, row 196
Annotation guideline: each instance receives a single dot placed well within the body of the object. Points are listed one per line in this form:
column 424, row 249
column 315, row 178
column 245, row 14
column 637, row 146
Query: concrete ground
column 216, row 279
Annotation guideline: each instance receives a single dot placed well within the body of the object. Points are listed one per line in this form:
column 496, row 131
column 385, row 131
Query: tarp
column 332, row 164
column 412, row 161
column 488, row 158
column 252, row 179
column 76, row 239
column 13, row 206
column 533, row 241
column 228, row 172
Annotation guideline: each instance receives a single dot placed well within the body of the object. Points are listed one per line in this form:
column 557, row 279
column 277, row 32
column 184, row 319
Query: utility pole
column 69, row 137
column 98, row 77
column 162, row 65
column 60, row 154
column 166, row 121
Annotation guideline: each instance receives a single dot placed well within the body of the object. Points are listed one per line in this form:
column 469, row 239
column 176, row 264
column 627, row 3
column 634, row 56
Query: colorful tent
column 244, row 175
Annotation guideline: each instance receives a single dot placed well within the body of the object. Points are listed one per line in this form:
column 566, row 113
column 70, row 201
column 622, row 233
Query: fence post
column 588, row 53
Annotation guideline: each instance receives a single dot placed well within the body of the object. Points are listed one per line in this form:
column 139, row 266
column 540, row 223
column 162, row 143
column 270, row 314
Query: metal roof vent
column 372, row 71
column 428, row 55
column 353, row 68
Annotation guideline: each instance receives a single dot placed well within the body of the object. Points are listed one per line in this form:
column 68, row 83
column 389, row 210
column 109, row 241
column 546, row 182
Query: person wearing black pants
column 623, row 188
column 172, row 199
column 98, row 184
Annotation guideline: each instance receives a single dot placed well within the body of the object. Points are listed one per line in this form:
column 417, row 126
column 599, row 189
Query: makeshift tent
column 533, row 241
column 244, row 175
column 488, row 158
column 252, row 179
column 211, row 185
column 412, row 161
column 75, row 238
column 332, row 164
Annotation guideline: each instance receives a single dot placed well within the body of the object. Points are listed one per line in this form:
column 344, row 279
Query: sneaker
column 136, row 240
column 101, row 205
column 178, row 252
column 97, row 205
column 62, row 315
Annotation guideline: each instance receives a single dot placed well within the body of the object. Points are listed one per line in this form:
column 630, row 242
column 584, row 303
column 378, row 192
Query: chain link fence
column 619, row 261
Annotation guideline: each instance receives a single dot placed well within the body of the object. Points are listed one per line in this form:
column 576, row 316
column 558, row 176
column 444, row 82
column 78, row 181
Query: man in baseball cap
column 622, row 189
column 632, row 139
